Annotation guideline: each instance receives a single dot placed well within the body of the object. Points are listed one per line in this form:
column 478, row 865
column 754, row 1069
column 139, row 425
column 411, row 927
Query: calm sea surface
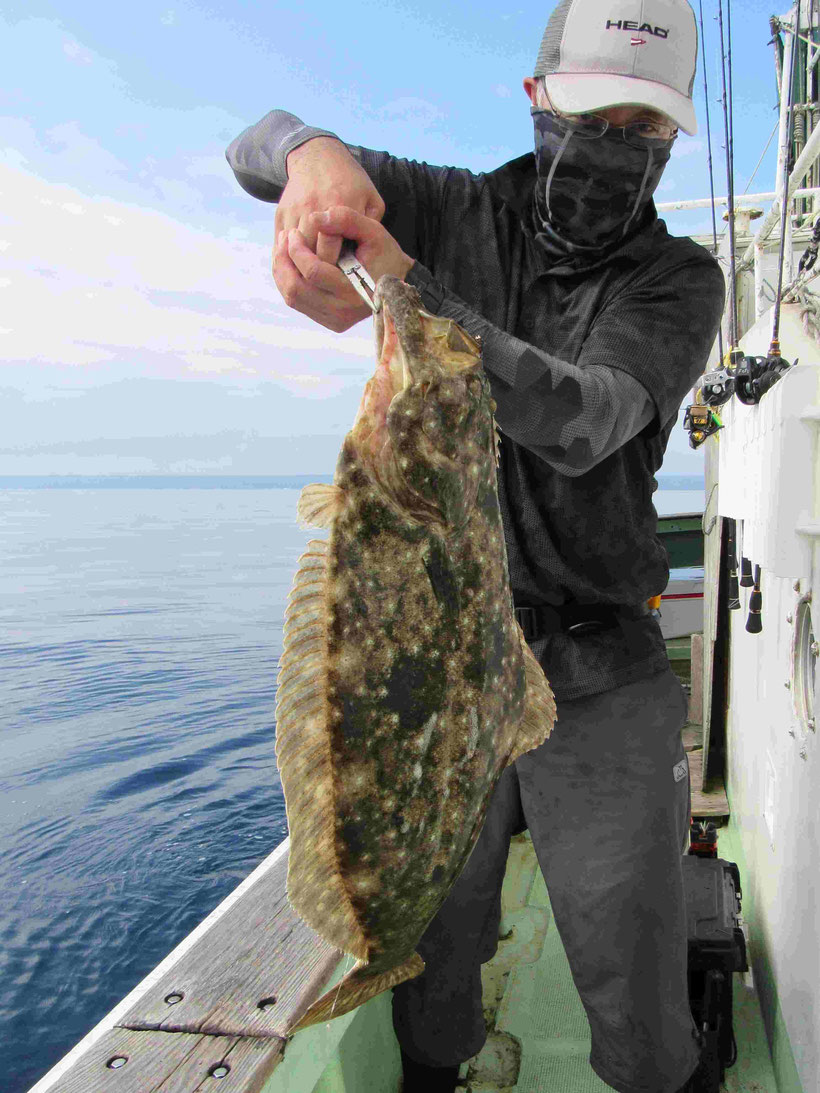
column 140, row 631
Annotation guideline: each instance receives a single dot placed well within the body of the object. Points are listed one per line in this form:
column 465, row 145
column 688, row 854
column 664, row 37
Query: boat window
column 805, row 663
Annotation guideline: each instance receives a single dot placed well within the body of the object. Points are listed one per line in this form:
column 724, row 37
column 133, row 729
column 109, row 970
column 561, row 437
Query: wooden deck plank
column 163, row 1062
column 696, row 678
column 711, row 561
column 258, row 950
column 710, row 801
column 692, row 736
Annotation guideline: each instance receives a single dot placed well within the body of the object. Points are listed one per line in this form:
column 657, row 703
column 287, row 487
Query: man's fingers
column 328, row 247
column 284, row 220
column 343, row 221
column 308, row 229
column 313, row 287
column 318, row 274
column 375, row 208
column 287, row 277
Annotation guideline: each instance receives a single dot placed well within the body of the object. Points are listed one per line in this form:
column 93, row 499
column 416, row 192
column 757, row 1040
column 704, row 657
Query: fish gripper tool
column 355, row 272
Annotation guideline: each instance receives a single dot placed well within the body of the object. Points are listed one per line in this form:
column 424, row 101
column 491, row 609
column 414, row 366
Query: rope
column 762, row 154
column 809, row 305
column 708, row 530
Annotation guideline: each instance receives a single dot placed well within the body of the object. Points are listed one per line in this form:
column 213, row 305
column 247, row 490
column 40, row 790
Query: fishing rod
column 716, row 386
column 730, row 113
column 709, row 155
column 749, row 377
column 730, row 182
column 774, row 349
column 754, row 376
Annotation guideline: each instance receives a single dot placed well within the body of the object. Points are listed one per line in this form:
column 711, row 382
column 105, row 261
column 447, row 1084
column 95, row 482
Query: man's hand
column 318, row 288
column 321, row 174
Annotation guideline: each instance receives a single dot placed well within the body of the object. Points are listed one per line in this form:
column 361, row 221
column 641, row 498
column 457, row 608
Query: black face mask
column 590, row 193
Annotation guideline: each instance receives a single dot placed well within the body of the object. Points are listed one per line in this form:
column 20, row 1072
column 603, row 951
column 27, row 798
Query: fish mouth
column 436, row 348
column 453, row 349
column 392, row 359
column 391, row 377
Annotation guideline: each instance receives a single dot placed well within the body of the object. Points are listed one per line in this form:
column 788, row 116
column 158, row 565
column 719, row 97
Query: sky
column 140, row 327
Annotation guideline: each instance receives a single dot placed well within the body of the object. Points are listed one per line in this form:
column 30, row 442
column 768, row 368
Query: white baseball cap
column 600, row 53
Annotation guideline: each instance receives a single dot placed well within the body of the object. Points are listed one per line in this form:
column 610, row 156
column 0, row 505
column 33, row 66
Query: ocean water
column 140, row 631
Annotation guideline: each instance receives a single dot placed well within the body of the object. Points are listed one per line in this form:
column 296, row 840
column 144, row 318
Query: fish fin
column 319, row 504
column 539, row 706
column 316, row 889
column 356, row 988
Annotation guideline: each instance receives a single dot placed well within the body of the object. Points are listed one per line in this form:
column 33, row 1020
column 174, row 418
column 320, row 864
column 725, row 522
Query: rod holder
column 754, row 623
column 734, row 593
column 746, row 573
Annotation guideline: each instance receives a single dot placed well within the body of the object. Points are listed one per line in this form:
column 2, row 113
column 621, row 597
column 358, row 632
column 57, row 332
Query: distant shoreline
column 224, row 481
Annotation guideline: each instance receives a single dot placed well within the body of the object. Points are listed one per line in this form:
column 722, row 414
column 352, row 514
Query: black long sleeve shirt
column 588, row 362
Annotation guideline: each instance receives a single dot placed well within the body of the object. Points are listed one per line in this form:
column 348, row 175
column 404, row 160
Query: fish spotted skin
column 422, row 686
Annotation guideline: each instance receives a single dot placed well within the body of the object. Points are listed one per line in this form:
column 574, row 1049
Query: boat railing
column 753, row 255
column 220, row 1006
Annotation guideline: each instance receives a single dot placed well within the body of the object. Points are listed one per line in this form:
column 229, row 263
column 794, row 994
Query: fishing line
column 730, row 188
column 762, row 154
column 784, row 209
column 709, row 156
column 731, row 112
column 345, row 970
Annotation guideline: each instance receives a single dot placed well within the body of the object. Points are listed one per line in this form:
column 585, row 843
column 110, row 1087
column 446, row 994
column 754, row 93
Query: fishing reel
column 755, row 376
column 718, row 386
column 700, row 422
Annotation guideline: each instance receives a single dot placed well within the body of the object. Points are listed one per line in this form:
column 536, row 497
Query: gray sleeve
column 571, row 417
column 412, row 192
column 258, row 156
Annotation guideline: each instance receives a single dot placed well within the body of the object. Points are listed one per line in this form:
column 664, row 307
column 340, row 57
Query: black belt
column 574, row 618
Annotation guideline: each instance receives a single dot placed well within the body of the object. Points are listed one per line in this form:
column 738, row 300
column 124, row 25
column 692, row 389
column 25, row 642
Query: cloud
column 214, row 166
column 65, row 151
column 502, row 91
column 78, row 53
column 79, row 122
column 687, row 146
column 89, row 281
column 411, row 111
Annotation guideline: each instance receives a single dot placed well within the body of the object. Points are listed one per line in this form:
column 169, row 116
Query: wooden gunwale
column 246, row 974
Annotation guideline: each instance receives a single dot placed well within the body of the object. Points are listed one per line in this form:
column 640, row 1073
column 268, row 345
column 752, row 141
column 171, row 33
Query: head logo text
column 643, row 28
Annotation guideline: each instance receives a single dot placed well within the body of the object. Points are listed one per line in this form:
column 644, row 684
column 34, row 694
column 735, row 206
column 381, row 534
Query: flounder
column 405, row 685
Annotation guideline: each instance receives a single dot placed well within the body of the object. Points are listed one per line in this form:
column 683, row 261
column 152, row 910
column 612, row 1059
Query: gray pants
column 606, row 801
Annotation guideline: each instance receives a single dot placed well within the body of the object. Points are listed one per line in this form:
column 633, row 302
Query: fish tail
column 355, row 988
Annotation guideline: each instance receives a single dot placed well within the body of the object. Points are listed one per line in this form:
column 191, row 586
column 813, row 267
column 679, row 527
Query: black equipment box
column 717, row 948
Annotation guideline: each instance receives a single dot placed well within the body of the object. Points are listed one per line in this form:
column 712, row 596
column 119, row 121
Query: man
column 594, row 325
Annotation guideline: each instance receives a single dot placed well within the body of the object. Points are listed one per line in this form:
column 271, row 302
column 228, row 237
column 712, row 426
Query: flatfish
column 405, row 685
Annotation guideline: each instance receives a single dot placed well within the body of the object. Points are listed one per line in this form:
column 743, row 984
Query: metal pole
column 740, row 199
column 785, row 216
column 783, row 128
column 760, row 300
column 807, row 157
